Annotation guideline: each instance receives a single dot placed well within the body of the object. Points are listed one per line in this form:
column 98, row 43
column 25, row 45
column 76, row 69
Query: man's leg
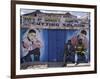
column 32, row 57
column 28, row 58
column 64, row 60
column 84, row 58
column 76, row 58
column 36, row 57
column 73, row 57
column 22, row 60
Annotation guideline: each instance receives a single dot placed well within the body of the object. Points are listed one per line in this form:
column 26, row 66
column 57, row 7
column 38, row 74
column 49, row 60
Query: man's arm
column 37, row 44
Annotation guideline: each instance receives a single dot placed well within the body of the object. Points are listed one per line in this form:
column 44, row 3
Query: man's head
column 82, row 34
column 31, row 34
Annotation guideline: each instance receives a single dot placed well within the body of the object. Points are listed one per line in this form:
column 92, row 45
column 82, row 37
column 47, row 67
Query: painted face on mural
column 32, row 35
column 82, row 36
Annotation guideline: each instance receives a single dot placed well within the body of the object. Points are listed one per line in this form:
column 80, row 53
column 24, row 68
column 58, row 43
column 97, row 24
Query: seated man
column 69, row 53
column 80, row 52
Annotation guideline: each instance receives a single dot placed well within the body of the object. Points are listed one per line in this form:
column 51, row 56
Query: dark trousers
column 36, row 57
column 35, row 52
column 81, row 57
column 26, row 58
column 69, row 57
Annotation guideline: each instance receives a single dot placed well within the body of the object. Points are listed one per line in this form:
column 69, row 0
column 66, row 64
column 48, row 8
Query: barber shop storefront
column 55, row 30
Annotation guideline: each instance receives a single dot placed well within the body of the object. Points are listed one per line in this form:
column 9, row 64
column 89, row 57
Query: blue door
column 56, row 41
